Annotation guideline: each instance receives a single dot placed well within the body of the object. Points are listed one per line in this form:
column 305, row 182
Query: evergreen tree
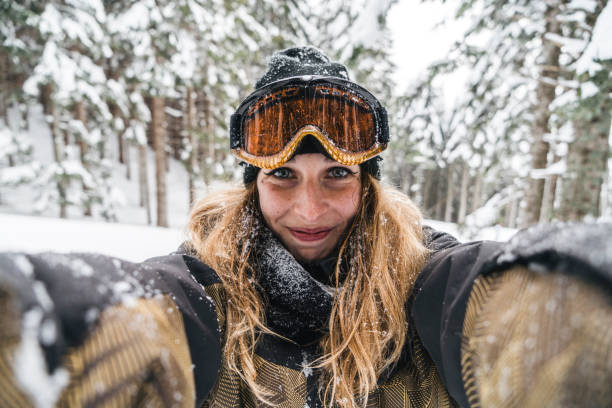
column 16, row 164
column 519, row 61
column 586, row 106
column 70, row 85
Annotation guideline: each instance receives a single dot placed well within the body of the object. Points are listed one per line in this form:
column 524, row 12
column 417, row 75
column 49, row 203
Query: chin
column 311, row 256
column 308, row 253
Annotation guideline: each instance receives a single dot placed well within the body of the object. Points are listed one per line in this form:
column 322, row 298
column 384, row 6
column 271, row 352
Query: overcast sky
column 419, row 38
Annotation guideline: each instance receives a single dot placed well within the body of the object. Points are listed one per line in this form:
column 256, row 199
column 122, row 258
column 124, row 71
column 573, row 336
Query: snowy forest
column 107, row 105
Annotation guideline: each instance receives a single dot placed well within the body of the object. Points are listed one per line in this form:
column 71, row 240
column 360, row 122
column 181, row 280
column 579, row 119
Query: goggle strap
column 383, row 134
column 235, row 131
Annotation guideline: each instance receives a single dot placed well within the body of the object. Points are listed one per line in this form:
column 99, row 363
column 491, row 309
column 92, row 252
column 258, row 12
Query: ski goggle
column 344, row 117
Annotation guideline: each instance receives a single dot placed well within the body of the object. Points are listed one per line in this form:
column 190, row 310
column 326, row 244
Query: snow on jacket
column 524, row 323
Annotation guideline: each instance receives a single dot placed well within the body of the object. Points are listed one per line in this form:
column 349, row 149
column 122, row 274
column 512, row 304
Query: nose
column 310, row 204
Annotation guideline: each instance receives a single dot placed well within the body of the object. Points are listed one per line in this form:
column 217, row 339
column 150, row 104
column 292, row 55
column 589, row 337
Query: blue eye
column 339, row 172
column 281, row 172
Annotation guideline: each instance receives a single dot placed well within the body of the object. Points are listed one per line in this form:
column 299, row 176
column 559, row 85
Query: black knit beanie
column 300, row 61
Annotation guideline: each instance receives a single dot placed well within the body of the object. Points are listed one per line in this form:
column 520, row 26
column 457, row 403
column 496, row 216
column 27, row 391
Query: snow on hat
column 298, row 61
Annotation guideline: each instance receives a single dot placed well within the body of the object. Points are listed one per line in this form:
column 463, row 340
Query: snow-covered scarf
column 298, row 306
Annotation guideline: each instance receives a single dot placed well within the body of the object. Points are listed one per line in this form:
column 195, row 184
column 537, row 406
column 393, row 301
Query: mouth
column 310, row 234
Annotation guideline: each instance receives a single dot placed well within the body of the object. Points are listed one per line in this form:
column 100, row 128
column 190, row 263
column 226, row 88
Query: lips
column 310, row 234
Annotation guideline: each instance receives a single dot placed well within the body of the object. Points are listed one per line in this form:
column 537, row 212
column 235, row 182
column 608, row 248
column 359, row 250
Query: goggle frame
column 379, row 113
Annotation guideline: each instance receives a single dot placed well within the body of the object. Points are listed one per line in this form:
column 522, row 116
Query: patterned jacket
column 525, row 323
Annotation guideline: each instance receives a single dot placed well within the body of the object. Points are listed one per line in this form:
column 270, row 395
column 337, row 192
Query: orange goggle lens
column 273, row 125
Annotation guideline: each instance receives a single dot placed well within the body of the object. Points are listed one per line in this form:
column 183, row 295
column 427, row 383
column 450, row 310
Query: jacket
column 490, row 323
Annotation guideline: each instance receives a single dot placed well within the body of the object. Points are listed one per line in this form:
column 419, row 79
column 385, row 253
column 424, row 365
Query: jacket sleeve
column 437, row 240
column 479, row 293
column 89, row 330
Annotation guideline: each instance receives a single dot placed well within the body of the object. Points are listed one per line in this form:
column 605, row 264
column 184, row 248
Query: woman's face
column 309, row 203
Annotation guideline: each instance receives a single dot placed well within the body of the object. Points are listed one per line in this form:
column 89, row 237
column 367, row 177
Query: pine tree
column 148, row 30
column 520, row 62
column 19, row 50
column 69, row 84
column 545, row 94
column 587, row 106
column 16, row 164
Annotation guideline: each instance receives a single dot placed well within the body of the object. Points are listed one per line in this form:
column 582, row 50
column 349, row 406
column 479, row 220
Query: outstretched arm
column 537, row 340
column 476, row 303
column 89, row 330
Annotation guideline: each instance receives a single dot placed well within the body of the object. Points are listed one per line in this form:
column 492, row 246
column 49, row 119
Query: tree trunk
column 81, row 114
column 477, row 194
column 143, row 178
column 209, row 158
column 512, row 213
column 121, row 142
column 425, row 190
column 407, row 180
column 465, row 180
column 4, row 86
column 450, row 193
column 193, row 141
column 548, row 200
column 605, row 194
column 439, row 191
column 49, row 111
column 175, row 127
column 128, row 162
column 587, row 158
column 159, row 146
column 122, row 152
column 554, row 181
column 24, row 111
column 67, row 139
column 210, row 130
column 46, row 101
column 545, row 94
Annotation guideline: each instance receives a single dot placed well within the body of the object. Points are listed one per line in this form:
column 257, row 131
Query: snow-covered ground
column 135, row 243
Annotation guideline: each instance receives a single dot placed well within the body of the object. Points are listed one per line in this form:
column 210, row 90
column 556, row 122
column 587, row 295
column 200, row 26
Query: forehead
column 311, row 159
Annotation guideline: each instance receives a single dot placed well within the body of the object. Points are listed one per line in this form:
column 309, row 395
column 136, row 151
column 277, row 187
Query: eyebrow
column 329, row 159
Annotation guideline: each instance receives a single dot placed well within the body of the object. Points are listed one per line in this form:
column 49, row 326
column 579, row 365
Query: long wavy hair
column 383, row 252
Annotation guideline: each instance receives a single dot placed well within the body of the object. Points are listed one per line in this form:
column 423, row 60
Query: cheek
column 348, row 206
column 272, row 204
column 270, row 208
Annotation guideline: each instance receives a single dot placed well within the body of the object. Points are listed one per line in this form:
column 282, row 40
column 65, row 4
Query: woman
column 302, row 216
column 314, row 285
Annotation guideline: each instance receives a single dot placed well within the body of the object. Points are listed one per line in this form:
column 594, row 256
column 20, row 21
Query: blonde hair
column 383, row 252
